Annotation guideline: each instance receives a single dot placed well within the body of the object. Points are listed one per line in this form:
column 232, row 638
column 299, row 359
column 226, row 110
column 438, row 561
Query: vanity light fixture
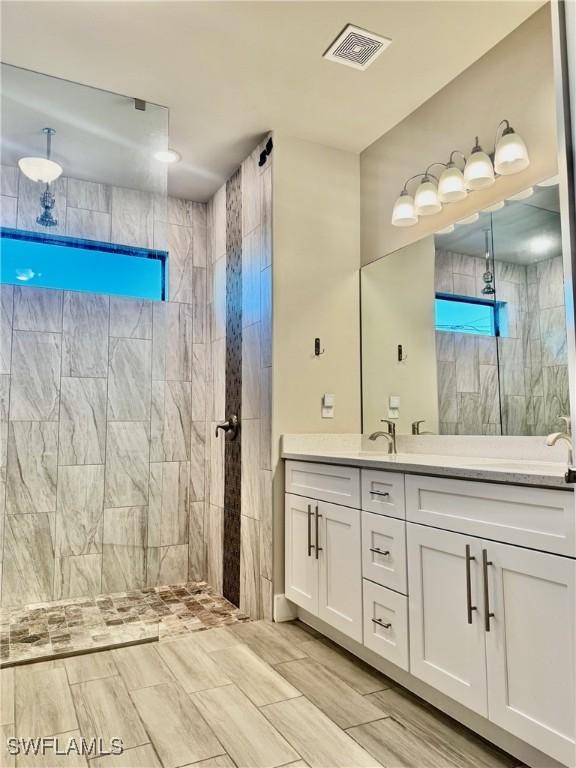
column 426, row 198
column 446, row 230
column 509, row 156
column 404, row 211
column 478, row 171
column 524, row 195
column 451, row 185
column 168, row 156
column 42, row 168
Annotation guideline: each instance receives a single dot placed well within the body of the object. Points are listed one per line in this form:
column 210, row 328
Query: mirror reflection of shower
column 488, row 276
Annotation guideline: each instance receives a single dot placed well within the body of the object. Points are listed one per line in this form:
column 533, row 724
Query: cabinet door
column 340, row 571
column 530, row 647
column 446, row 650
column 301, row 569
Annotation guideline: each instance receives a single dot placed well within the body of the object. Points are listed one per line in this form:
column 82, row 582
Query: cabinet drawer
column 383, row 492
column 538, row 518
column 384, row 551
column 386, row 623
column 326, row 482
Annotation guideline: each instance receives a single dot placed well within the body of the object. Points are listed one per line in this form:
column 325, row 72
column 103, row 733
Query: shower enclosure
column 107, row 463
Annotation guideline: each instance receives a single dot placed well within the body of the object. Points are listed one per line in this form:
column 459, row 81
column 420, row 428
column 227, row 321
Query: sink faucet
column 390, row 435
column 389, row 438
column 566, row 436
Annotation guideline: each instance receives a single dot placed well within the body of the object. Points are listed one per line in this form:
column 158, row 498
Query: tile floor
column 251, row 694
column 57, row 629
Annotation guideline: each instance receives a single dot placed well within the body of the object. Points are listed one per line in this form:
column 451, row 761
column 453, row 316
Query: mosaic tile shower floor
column 80, row 625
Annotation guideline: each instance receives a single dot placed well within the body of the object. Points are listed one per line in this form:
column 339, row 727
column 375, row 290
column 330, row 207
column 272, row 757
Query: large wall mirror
column 464, row 331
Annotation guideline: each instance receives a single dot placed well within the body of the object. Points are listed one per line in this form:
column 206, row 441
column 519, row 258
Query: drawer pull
column 469, row 606
column 384, row 552
column 487, row 613
column 310, row 545
column 380, row 493
column 383, row 624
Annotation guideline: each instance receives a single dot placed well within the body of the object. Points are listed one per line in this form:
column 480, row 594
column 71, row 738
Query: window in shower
column 463, row 314
column 52, row 261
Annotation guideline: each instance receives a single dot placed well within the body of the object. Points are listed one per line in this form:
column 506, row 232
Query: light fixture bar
column 509, row 156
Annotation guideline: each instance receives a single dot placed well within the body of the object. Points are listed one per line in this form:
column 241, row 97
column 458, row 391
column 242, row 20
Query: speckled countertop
column 549, row 474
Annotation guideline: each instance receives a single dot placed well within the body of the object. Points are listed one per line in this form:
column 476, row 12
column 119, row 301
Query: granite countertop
column 546, row 474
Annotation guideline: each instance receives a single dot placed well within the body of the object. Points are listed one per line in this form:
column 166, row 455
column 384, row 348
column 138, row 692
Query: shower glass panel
column 75, row 366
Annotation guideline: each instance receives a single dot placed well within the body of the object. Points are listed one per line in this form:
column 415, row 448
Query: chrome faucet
column 390, row 435
column 416, row 426
column 565, row 436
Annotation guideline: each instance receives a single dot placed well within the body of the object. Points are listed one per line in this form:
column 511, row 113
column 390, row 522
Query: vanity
column 454, row 576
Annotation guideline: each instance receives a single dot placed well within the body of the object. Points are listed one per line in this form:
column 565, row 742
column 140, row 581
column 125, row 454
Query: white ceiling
column 231, row 71
column 524, row 232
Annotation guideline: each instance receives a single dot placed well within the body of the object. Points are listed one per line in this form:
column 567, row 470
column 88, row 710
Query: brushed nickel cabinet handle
column 317, row 518
column 310, row 545
column 378, row 551
column 487, row 613
column 380, row 493
column 469, row 606
column 384, row 624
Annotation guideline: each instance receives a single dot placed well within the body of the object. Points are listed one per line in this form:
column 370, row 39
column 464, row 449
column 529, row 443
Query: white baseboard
column 284, row 610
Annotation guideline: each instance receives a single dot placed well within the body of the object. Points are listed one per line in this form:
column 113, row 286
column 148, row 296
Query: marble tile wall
column 518, row 384
column 104, row 409
column 256, row 374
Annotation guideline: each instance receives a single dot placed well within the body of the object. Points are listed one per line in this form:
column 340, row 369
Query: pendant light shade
column 511, row 155
column 426, row 198
column 40, row 169
column 479, row 172
column 404, row 212
column 451, row 185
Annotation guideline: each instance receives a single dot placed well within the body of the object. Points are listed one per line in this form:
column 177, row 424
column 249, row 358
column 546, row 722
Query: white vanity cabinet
column 323, row 562
column 446, row 638
column 492, row 626
column 467, row 586
column 530, row 647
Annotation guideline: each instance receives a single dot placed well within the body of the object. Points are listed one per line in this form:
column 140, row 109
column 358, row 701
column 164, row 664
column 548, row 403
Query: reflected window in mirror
column 513, row 381
column 461, row 314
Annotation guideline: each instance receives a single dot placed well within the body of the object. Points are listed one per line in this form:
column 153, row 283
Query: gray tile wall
column 103, row 408
column 256, row 480
column 519, row 387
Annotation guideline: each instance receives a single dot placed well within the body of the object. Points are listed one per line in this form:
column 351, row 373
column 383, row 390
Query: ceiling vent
column 356, row 47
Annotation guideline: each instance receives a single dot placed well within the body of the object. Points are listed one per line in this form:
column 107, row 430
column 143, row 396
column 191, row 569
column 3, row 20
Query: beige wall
column 316, row 244
column 316, row 261
column 398, row 308
column 515, row 81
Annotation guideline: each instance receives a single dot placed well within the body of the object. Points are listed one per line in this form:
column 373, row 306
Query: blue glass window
column 467, row 315
column 51, row 261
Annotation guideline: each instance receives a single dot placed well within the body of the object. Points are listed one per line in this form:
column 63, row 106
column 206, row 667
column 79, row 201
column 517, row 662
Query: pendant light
column 42, row 169
column 426, row 198
column 404, row 212
column 511, row 154
column 478, row 172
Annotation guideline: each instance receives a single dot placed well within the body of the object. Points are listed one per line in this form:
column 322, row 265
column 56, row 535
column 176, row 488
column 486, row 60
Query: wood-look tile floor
column 76, row 625
column 253, row 695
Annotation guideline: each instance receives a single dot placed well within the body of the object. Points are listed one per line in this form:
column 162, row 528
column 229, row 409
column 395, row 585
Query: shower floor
column 82, row 625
